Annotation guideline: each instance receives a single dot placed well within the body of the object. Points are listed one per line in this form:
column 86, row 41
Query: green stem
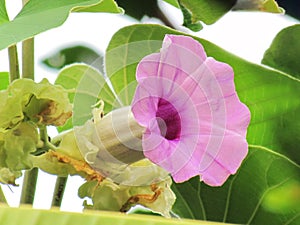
column 59, row 191
column 45, row 138
column 27, row 55
column 2, row 197
column 28, row 58
column 29, row 186
column 30, row 178
column 14, row 72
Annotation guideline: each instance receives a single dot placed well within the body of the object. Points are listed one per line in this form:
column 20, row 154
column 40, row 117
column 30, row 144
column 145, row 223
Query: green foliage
column 113, row 197
column 283, row 53
column 4, row 80
column 259, row 5
column 271, row 168
column 86, row 87
column 140, row 9
column 245, row 197
column 188, row 21
column 74, row 54
column 28, row 216
column 102, row 6
column 173, row 2
column 283, row 198
column 207, row 11
column 40, row 15
column 3, row 14
column 42, row 103
column 272, row 97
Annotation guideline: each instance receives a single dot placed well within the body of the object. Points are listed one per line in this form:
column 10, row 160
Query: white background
column 247, row 34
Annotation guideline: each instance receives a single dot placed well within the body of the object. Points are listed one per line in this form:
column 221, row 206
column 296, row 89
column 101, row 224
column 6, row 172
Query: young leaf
column 40, row 15
column 273, row 98
column 284, row 52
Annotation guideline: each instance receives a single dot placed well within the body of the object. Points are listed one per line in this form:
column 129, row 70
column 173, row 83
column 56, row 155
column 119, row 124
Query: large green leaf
column 273, row 98
column 244, row 198
column 28, row 216
column 284, row 52
column 40, row 15
column 209, row 11
column 3, row 14
column 86, row 86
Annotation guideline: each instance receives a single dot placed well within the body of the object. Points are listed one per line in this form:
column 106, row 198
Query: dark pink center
column 168, row 120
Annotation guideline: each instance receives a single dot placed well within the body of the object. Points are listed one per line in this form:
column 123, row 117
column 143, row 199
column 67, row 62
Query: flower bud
column 118, row 134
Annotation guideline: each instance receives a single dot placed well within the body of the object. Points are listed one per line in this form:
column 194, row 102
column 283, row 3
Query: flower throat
column 168, row 120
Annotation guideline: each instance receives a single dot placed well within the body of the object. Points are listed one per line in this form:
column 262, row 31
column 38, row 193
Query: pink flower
column 195, row 123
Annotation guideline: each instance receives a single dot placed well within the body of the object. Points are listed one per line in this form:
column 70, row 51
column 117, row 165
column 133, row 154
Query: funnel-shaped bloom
column 195, row 123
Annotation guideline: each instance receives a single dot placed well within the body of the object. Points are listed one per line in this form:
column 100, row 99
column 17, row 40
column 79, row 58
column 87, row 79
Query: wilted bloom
column 195, row 123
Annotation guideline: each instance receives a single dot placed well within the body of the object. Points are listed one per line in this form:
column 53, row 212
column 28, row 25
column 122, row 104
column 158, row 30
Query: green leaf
column 4, row 80
column 245, row 197
column 74, row 54
column 207, row 11
column 284, row 52
column 29, row 216
column 188, row 20
column 103, row 6
column 40, row 15
column 86, row 87
column 3, row 13
column 138, row 11
column 173, row 3
column 273, row 98
column 259, row 5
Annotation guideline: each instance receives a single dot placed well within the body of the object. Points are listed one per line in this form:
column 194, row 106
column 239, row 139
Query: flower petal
column 213, row 121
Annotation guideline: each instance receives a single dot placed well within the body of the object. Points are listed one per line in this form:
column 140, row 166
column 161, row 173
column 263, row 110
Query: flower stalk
column 30, row 177
column 29, row 186
column 28, row 58
column 59, row 190
column 14, row 72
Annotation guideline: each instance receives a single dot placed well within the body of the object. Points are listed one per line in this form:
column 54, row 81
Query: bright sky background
column 243, row 33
